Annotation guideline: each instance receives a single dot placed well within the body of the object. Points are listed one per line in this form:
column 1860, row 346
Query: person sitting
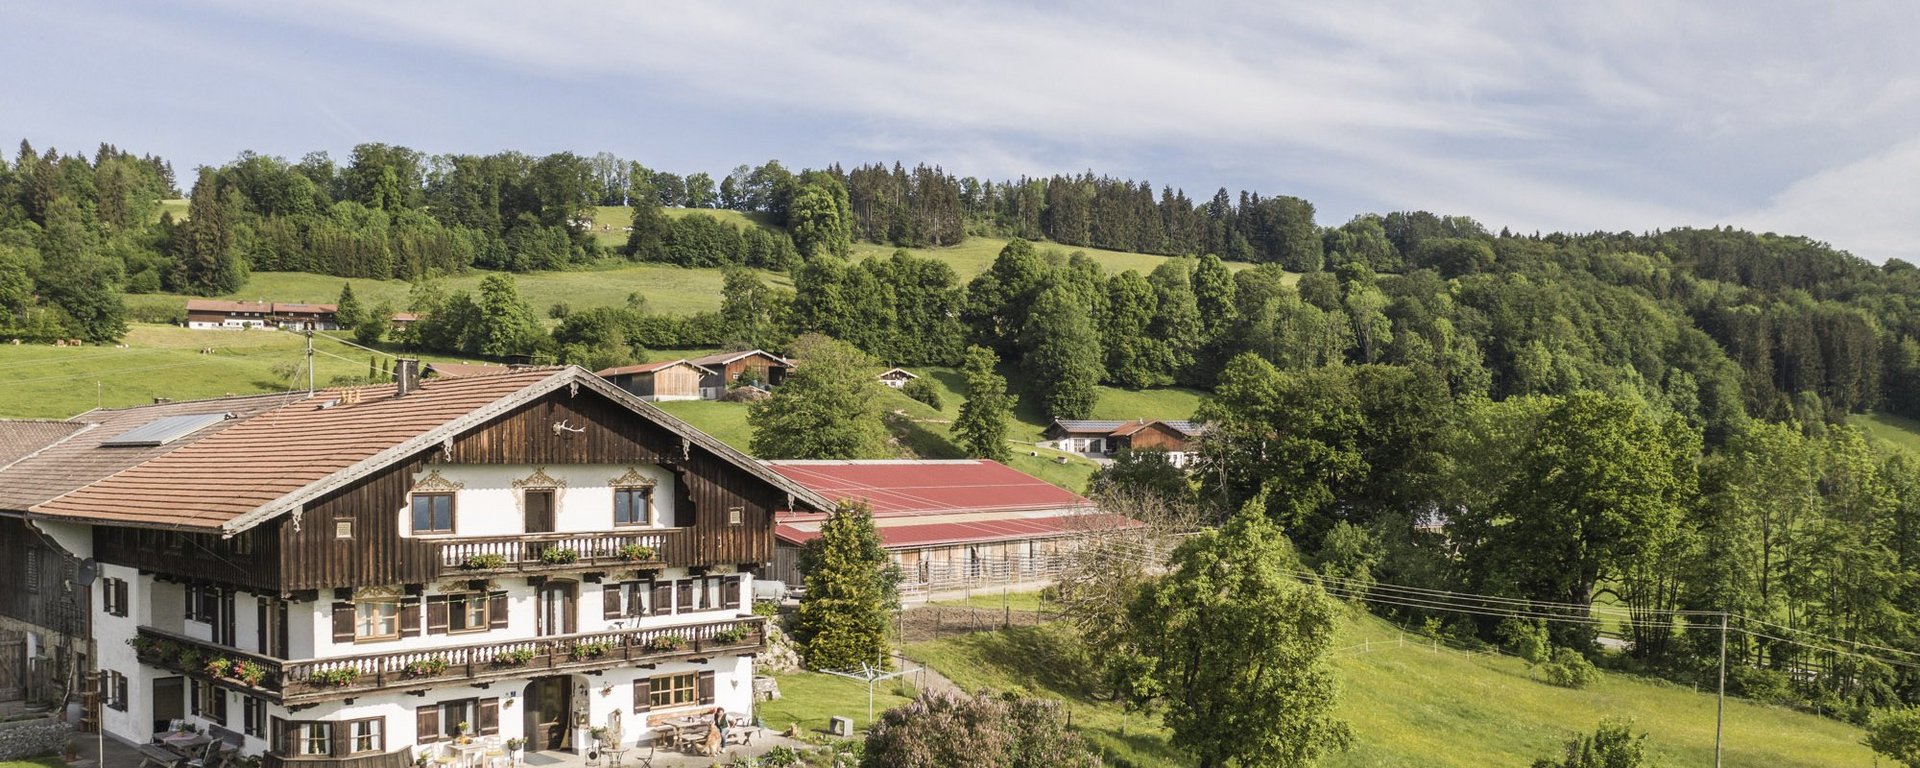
column 717, row 734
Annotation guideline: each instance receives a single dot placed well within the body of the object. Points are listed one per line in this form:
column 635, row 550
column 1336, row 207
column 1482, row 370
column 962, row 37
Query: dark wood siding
column 50, row 595
column 1158, row 437
column 313, row 558
column 246, row 560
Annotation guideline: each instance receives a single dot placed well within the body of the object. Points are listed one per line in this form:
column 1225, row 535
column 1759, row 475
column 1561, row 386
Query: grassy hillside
column 39, row 381
column 1413, row 706
column 1896, row 430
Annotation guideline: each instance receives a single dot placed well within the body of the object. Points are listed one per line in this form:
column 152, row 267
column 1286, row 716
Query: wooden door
column 557, row 611
column 549, row 703
column 13, row 666
column 539, row 510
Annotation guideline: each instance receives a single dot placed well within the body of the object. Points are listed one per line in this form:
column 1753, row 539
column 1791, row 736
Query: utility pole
column 1720, row 710
column 309, row 362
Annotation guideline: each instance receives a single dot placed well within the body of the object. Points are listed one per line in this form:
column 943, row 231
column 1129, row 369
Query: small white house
column 897, row 377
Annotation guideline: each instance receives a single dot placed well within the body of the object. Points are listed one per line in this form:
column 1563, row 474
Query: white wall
column 488, row 505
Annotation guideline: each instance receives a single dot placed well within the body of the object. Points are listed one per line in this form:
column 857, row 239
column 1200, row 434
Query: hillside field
column 1411, row 705
column 1898, row 431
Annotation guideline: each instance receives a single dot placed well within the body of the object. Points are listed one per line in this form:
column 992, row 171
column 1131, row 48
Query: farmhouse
column 244, row 315
column 946, row 523
column 665, row 380
column 338, row 579
column 760, row 368
column 1103, row 439
column 897, row 377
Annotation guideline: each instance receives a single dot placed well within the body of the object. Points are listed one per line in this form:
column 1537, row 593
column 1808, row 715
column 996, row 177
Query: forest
column 1652, row 419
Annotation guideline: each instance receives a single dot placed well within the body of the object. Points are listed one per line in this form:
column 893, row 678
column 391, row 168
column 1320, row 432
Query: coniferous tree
column 851, row 591
column 208, row 263
column 981, row 428
column 347, row 310
column 1063, row 354
column 77, row 278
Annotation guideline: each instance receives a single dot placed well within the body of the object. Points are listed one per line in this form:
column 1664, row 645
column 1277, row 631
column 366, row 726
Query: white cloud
column 1870, row 206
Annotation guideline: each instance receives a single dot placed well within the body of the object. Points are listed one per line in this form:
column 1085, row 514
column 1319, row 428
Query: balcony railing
column 534, row 552
column 237, row 668
column 294, row 682
column 351, row 675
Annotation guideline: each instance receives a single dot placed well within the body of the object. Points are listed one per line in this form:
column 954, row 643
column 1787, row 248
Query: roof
column 723, row 358
column 1122, row 428
column 219, row 305
column 405, row 317
column 900, row 533
column 312, row 309
column 79, row 459
column 281, row 457
column 628, row 370
column 23, row 438
column 462, row 370
column 916, row 487
column 900, row 371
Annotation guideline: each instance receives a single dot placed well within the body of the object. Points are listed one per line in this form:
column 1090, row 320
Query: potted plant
column 513, row 658
column 733, row 634
column 559, row 555
column 250, row 672
column 592, row 650
column 464, row 737
column 514, row 745
column 636, row 552
column 334, row 677
column 427, row 667
column 218, row 667
column 486, row 562
column 70, row 751
column 666, row 643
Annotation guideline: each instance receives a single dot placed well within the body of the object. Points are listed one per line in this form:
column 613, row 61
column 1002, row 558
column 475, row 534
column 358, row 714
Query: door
column 13, row 666
column 549, row 702
column 169, row 701
column 539, row 510
column 557, row 608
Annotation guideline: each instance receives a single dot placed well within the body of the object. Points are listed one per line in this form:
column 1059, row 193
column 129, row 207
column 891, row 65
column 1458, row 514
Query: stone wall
column 32, row 738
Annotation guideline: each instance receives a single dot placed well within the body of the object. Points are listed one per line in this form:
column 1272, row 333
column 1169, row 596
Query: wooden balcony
column 237, row 669
column 308, row 681
column 551, row 552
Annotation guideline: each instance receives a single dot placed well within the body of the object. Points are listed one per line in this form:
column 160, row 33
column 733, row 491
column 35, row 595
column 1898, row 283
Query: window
column 633, row 506
column 433, row 513
column 367, row 735
column 343, row 529
column 316, row 738
column 674, row 690
column 735, row 515
column 33, row 570
column 376, row 619
column 254, row 716
column 467, row 612
column 113, row 596
column 114, row 690
column 209, row 701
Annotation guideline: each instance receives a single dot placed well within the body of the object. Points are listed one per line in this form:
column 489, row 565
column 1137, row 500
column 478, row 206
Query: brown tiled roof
column 20, row 439
column 306, row 309
column 276, row 452
column 251, row 469
column 219, row 305
column 723, row 358
column 79, row 460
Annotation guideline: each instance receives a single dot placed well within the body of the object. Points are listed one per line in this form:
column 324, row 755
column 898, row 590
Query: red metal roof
column 917, row 487
column 897, row 533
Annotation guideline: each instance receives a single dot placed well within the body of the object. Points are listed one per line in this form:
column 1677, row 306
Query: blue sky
column 1797, row 118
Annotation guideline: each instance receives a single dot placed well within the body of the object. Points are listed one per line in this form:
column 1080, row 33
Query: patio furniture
column 212, row 755
column 740, row 730
column 158, row 756
column 467, row 755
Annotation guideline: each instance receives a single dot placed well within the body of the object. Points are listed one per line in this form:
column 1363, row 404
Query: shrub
column 336, row 677
column 1612, row 745
column 924, row 391
column 249, row 672
column 1525, row 639
column 732, row 634
column 940, row 729
column 666, row 643
column 636, row 552
column 592, row 650
column 559, row 556
column 1570, row 669
column 486, row 562
column 426, row 667
column 513, row 658
column 218, row 667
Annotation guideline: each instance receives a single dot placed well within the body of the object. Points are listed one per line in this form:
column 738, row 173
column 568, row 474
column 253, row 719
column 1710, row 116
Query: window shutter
column 343, row 622
column 426, row 723
column 120, row 692
column 437, row 615
column 642, row 695
column 662, row 598
column 610, row 602
column 191, row 604
column 120, row 597
column 497, row 610
column 487, row 720
column 409, row 617
column 730, row 599
column 283, row 735
column 193, row 697
column 339, row 736
column 686, row 597
column 706, row 687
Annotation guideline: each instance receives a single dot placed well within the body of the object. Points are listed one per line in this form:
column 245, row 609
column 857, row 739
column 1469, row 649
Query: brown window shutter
column 730, row 597
column 120, row 692
column 119, row 597
column 193, row 696
column 283, row 736
column 409, row 617
column 642, row 695
column 339, row 738
column 662, row 598
column 191, row 604
column 497, row 610
column 437, row 615
column 487, row 719
column 426, row 723
column 610, row 602
column 343, row 622
column 706, row 687
column 686, row 598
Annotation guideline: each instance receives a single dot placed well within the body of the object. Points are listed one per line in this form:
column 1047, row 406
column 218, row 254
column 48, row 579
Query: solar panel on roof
column 165, row 429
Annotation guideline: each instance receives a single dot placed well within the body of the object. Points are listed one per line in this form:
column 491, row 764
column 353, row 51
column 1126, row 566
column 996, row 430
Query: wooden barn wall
column 246, row 560
column 377, row 554
column 55, row 603
column 1157, row 438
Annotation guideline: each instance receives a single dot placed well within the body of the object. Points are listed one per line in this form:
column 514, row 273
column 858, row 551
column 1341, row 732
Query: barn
column 752, row 366
column 665, row 380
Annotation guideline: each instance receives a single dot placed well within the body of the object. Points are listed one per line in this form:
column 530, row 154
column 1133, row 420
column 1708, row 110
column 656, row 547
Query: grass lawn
column 1897, row 430
column 1410, row 706
column 39, row 381
column 41, row 762
column 997, row 599
column 810, row 698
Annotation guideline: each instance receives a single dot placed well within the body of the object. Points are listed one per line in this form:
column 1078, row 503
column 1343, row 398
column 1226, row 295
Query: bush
column 1612, row 745
column 923, row 390
column 1759, row 684
column 1570, row 669
column 939, row 730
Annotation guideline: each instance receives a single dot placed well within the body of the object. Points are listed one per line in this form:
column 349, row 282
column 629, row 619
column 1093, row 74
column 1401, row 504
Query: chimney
column 406, row 373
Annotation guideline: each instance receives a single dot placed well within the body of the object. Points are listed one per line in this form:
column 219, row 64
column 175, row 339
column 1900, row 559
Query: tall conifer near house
column 347, row 310
column 208, row 264
column 851, row 589
column 982, row 425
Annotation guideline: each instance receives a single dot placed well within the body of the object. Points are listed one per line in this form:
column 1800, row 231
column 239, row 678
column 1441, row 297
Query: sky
column 1798, row 118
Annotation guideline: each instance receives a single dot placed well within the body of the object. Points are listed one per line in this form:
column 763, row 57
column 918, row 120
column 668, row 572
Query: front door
column 540, row 510
column 549, row 705
column 557, row 608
